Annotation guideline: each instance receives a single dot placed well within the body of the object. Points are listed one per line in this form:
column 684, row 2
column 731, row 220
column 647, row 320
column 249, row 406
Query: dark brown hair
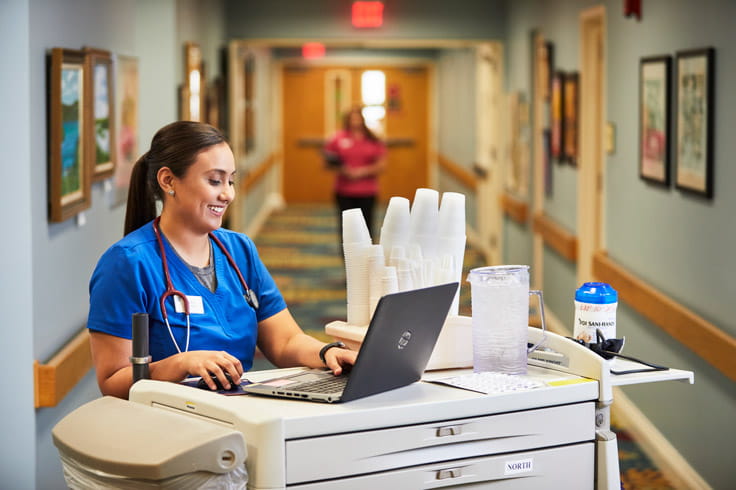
column 346, row 123
column 175, row 146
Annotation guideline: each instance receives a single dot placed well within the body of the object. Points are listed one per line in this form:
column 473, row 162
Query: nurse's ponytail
column 174, row 146
column 141, row 200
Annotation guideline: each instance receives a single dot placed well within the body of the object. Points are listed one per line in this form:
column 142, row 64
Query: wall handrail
column 706, row 340
column 54, row 379
column 554, row 235
column 254, row 174
column 515, row 208
column 465, row 176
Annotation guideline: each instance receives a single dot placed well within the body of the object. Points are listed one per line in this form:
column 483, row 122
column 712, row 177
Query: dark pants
column 366, row 205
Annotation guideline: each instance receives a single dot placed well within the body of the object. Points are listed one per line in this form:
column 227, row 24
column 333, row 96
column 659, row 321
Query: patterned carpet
column 299, row 246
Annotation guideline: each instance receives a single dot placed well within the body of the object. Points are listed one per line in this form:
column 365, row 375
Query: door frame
column 591, row 213
column 490, row 156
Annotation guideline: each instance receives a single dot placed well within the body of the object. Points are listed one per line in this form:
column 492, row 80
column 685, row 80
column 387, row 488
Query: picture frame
column 557, row 129
column 570, row 117
column 547, row 163
column 694, row 99
column 126, row 123
column 100, row 114
column 654, row 118
column 545, row 59
column 69, row 188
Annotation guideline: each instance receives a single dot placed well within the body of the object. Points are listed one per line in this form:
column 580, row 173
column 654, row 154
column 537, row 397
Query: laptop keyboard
column 332, row 385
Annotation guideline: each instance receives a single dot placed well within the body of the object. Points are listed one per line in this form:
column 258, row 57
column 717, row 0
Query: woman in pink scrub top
column 363, row 158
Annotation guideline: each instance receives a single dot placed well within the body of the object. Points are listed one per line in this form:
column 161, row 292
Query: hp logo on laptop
column 404, row 340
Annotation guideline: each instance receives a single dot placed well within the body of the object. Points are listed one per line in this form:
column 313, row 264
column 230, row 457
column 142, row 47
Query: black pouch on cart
column 610, row 348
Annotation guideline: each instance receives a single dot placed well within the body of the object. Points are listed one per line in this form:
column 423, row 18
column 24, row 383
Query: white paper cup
column 395, row 229
column 390, row 280
column 451, row 221
column 354, row 228
column 424, row 213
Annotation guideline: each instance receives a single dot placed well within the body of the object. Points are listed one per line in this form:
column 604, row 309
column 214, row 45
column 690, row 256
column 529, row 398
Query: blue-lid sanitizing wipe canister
column 595, row 308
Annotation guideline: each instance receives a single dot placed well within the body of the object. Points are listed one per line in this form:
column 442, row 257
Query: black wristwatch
column 327, row 347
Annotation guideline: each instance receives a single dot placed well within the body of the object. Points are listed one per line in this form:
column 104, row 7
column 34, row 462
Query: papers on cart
column 491, row 382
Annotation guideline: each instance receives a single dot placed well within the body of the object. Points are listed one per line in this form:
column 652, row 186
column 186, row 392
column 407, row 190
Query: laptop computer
column 395, row 351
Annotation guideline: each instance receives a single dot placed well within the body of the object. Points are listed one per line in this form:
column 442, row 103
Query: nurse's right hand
column 205, row 362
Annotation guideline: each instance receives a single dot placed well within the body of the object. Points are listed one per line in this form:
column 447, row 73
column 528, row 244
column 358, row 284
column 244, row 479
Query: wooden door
column 407, row 127
column 307, row 107
column 304, row 177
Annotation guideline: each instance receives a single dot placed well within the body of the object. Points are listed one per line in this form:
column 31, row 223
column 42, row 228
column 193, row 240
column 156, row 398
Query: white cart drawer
column 562, row 467
column 335, row 456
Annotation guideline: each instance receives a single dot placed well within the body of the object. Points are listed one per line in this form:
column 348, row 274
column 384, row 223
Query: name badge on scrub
column 195, row 305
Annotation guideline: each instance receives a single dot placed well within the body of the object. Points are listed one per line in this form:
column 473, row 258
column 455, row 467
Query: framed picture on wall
column 654, row 118
column 557, row 129
column 694, row 95
column 126, row 123
column 100, row 114
column 69, row 178
column 570, row 118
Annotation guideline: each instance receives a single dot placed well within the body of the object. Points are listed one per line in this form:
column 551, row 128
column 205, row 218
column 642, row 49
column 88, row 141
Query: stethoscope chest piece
column 251, row 298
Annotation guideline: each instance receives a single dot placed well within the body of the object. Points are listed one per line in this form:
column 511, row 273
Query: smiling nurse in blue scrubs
column 209, row 298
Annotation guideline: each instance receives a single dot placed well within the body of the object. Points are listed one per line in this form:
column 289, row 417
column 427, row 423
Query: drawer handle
column 449, row 473
column 450, row 430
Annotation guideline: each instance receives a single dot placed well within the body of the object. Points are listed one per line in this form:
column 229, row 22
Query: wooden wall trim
column 556, row 237
column 53, row 380
column 463, row 175
column 256, row 173
column 515, row 208
column 702, row 337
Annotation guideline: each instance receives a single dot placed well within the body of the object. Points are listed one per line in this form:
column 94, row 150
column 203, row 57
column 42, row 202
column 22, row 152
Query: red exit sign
column 367, row 14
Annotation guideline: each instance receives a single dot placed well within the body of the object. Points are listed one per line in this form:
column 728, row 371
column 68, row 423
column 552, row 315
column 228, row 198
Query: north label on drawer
column 518, row 466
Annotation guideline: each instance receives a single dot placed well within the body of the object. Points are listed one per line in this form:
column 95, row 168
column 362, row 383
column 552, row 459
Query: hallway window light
column 373, row 87
column 373, row 94
column 374, row 118
column 194, row 95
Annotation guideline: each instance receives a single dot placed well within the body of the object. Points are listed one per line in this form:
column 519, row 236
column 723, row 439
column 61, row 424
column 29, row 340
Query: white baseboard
column 273, row 202
column 663, row 454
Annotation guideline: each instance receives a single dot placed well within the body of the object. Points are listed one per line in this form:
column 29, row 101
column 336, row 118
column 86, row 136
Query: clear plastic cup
column 500, row 313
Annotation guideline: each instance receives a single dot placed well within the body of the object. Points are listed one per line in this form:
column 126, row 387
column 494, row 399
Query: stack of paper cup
column 424, row 221
column 356, row 246
column 395, row 229
column 390, row 280
column 376, row 264
column 451, row 238
column 404, row 274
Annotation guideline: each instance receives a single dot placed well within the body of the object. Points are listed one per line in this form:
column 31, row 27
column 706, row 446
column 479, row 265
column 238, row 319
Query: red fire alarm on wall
column 367, row 14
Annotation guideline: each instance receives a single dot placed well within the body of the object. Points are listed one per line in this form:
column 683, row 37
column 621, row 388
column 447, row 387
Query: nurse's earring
column 171, row 192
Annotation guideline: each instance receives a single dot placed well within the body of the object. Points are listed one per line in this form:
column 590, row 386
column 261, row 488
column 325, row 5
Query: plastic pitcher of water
column 500, row 315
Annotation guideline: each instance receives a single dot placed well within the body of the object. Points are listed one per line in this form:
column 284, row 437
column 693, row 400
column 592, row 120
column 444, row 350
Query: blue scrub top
column 129, row 279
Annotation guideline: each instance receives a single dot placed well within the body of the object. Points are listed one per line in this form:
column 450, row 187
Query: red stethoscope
column 249, row 296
